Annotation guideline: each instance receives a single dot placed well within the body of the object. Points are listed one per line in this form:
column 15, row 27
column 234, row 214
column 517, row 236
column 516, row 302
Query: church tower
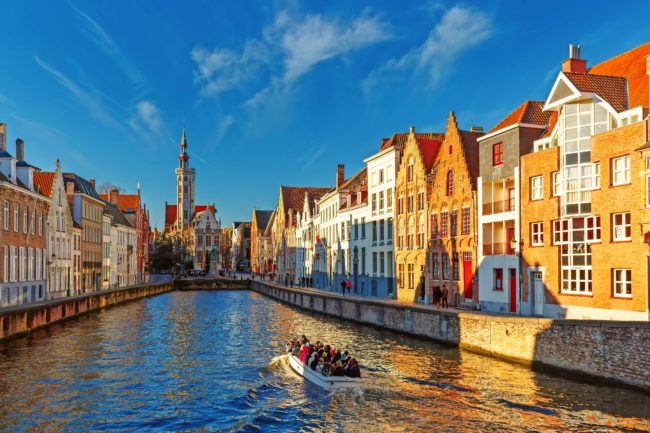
column 184, row 187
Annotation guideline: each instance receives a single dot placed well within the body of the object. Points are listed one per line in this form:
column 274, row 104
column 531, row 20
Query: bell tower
column 184, row 187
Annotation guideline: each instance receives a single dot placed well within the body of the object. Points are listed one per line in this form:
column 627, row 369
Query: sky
column 273, row 92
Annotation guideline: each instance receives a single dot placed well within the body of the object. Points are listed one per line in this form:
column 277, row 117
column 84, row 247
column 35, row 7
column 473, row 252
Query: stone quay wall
column 610, row 351
column 26, row 318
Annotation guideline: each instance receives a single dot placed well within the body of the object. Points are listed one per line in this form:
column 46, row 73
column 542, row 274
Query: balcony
column 498, row 249
column 499, row 206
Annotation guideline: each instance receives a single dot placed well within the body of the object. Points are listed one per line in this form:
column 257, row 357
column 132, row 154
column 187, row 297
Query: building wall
column 89, row 214
column 60, row 242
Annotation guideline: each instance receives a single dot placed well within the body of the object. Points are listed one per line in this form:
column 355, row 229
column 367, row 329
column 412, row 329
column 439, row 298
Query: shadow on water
column 211, row 361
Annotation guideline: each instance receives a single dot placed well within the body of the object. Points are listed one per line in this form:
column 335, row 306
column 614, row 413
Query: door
column 513, row 290
column 539, row 293
column 510, row 235
column 467, row 279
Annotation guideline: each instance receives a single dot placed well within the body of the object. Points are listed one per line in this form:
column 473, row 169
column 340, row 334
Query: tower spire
column 183, row 157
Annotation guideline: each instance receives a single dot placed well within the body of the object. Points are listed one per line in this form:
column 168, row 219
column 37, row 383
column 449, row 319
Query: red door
column 467, row 278
column 513, row 290
column 510, row 235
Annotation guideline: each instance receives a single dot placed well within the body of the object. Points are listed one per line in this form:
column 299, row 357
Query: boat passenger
column 321, row 364
column 337, row 369
column 353, row 369
column 345, row 357
column 337, row 356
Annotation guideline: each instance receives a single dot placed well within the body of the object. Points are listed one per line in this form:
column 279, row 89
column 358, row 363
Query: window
column 381, row 230
column 16, row 213
column 536, row 188
column 411, row 268
column 381, row 200
column 445, row 266
column 400, row 236
column 434, row 226
column 466, row 221
column 454, row 222
column 450, row 182
column 400, row 277
column 389, row 198
column 356, row 229
column 557, row 184
column 421, row 232
column 389, row 229
column 444, row 224
column 497, row 154
column 455, row 267
column 374, row 231
column 409, row 169
column 435, row 265
column 6, row 215
column 621, row 227
column 381, row 176
column 576, row 229
column 420, row 201
column 374, row 202
column 411, row 234
column 622, row 281
column 537, row 234
column 498, row 279
column 621, row 170
column 374, row 263
column 363, row 228
column 410, row 203
column 400, row 205
column 382, row 268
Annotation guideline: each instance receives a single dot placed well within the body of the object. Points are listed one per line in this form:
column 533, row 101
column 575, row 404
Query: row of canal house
column 546, row 214
column 58, row 238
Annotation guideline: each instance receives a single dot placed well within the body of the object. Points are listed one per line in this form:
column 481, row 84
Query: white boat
column 327, row 382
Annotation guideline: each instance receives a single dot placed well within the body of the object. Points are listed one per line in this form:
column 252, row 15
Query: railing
column 498, row 207
column 497, row 249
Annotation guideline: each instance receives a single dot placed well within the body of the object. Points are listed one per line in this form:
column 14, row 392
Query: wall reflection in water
column 206, row 361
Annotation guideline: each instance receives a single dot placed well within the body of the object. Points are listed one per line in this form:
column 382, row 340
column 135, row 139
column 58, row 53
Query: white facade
column 207, row 234
column 106, row 250
column 59, row 241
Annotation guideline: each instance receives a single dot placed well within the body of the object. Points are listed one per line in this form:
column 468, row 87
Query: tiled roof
column 529, row 112
column 268, row 231
column 170, row 212
column 118, row 217
column 398, row 140
column 293, row 197
column 43, row 181
column 81, row 185
column 429, row 149
column 551, row 125
column 611, row 89
column 262, row 218
column 357, row 179
column 632, row 66
column 126, row 202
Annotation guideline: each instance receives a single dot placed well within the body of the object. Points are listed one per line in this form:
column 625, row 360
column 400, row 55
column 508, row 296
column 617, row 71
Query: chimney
column 574, row 63
column 20, row 149
column 340, row 175
column 114, row 196
column 92, row 182
column 476, row 129
column 3, row 136
column 412, row 130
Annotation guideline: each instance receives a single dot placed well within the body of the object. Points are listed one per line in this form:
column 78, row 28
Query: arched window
column 450, row 182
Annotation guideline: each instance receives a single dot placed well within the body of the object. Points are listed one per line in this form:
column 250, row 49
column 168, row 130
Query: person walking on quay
column 445, row 295
column 437, row 294
column 343, row 287
column 348, row 285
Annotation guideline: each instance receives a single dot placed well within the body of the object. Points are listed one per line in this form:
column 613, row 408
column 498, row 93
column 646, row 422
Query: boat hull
column 327, row 382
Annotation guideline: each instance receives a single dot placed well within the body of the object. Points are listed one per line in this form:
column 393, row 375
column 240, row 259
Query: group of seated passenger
column 323, row 358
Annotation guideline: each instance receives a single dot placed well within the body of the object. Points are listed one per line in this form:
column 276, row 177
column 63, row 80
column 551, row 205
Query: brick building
column 451, row 204
column 585, row 194
column 412, row 192
column 23, row 240
column 259, row 221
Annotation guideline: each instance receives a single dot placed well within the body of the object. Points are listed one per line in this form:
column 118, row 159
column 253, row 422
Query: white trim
column 508, row 128
column 548, row 106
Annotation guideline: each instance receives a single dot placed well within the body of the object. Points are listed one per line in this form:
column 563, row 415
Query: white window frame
column 557, row 184
column 7, row 214
column 618, row 230
column 621, row 174
column 537, row 234
column 621, row 280
column 536, row 190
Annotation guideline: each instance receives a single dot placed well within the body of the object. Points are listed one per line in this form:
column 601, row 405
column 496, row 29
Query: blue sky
column 273, row 92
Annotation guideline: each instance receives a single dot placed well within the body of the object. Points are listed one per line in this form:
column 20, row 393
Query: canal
column 211, row 361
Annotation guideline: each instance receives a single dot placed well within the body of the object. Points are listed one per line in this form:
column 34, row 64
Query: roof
column 81, row 185
column 26, row 164
column 262, row 218
column 5, row 154
column 170, row 212
column 631, row 65
column 125, row 202
column 43, row 182
column 360, row 178
column 551, row 125
column 293, row 196
column 398, row 140
column 118, row 217
column 470, row 148
column 268, row 231
column 612, row 89
column 429, row 148
column 529, row 112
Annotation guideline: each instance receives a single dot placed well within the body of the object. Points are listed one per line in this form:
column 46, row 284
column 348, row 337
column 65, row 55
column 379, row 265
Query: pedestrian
column 348, row 285
column 437, row 294
column 445, row 294
column 343, row 287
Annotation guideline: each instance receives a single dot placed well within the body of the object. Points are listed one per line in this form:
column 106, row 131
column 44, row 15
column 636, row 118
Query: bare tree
column 106, row 187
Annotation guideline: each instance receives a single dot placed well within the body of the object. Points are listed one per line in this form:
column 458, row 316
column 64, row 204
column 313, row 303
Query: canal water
column 212, row 362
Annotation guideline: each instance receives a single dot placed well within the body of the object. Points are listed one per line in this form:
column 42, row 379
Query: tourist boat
column 327, row 382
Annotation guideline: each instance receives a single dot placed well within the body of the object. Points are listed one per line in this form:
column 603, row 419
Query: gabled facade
column 451, row 203
column 207, row 236
column 584, row 189
column 259, row 221
column 412, row 192
column 499, row 207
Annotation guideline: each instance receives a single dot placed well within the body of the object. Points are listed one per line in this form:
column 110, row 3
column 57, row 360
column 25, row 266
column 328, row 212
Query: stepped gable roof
column 43, row 182
column 529, row 112
column 118, row 216
column 398, row 140
column 611, row 88
column 293, row 197
column 631, row 65
column 81, row 185
column 262, row 217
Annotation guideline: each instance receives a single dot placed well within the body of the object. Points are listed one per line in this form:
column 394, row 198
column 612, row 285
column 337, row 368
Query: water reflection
column 209, row 361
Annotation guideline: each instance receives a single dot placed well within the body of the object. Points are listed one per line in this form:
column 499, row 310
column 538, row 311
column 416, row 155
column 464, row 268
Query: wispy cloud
column 459, row 29
column 87, row 98
column 104, row 42
column 314, row 157
column 146, row 116
column 288, row 49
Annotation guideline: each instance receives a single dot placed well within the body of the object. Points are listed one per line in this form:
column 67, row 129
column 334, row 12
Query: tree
column 164, row 258
column 107, row 187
